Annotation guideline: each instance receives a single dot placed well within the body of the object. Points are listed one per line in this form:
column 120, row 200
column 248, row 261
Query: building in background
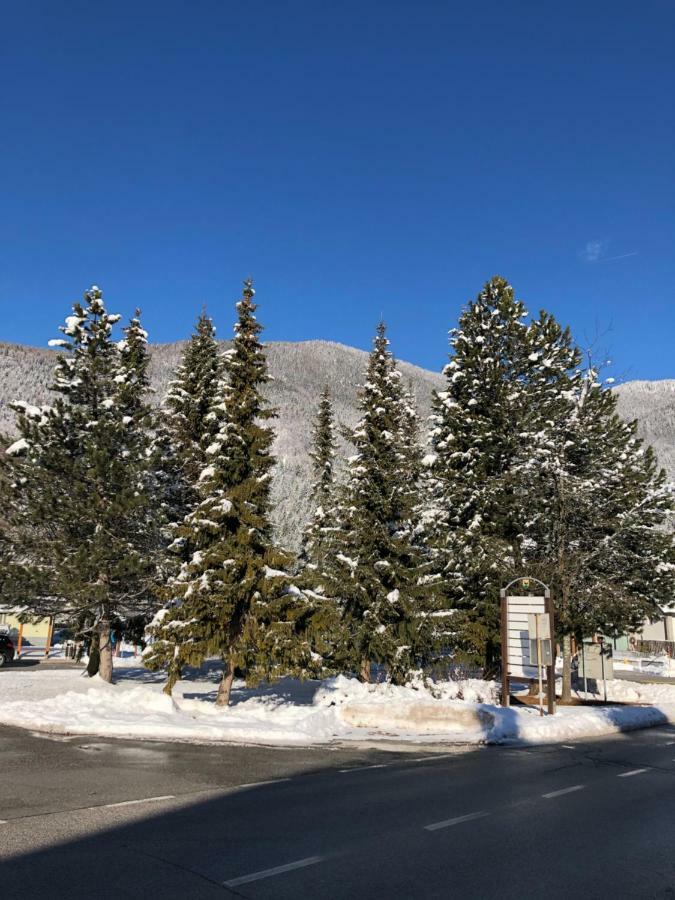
column 31, row 635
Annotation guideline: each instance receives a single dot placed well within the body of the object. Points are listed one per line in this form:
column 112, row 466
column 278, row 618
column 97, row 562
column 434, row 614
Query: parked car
column 61, row 635
column 6, row 649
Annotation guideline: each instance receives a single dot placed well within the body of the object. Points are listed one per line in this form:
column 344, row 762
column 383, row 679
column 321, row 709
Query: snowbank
column 622, row 691
column 291, row 713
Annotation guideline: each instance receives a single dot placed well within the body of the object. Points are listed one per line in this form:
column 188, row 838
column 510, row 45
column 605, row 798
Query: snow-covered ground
column 291, row 713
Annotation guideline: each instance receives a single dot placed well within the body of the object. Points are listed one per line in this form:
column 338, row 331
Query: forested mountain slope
column 653, row 404
column 300, row 370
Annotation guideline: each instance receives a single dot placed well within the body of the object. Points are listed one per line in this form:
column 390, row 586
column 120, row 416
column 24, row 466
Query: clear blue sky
column 356, row 158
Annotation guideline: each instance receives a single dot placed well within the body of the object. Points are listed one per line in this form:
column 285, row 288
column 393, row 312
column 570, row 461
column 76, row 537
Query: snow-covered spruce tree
column 188, row 421
column 505, row 380
column 375, row 563
column 237, row 599
column 316, row 572
column 185, row 427
column 143, row 426
column 317, row 534
column 474, row 430
column 597, row 505
column 91, row 550
column 132, row 379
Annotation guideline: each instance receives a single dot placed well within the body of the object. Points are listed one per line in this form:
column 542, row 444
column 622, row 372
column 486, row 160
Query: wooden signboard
column 518, row 663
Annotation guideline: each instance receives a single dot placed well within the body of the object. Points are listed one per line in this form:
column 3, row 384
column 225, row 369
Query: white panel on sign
column 539, row 626
column 518, row 611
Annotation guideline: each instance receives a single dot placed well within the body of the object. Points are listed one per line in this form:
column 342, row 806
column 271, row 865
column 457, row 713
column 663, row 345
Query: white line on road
column 363, row 768
column 457, row 821
column 569, row 746
column 3, row 821
column 569, row 790
column 254, row 784
column 632, row 772
column 431, row 758
column 134, row 802
column 215, row 792
column 277, row 870
column 670, row 743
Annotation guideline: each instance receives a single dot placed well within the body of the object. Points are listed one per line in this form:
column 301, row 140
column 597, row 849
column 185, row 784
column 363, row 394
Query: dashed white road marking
column 569, row 746
column 254, row 784
column 134, row 802
column 567, row 790
column 415, row 759
column 447, row 823
column 632, row 772
column 670, row 743
column 431, row 758
column 216, row 792
column 277, row 870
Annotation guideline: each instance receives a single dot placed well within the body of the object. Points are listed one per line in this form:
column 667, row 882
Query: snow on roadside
column 291, row 713
column 621, row 691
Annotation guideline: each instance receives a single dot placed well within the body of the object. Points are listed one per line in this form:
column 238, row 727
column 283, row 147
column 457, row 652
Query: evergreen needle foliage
column 234, row 595
column 109, row 509
column 83, row 479
column 375, row 562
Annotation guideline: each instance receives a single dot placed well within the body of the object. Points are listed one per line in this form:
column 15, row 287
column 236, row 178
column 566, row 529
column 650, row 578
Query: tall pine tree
column 85, row 484
column 318, row 532
column 533, row 472
column 474, row 431
column 375, row 562
column 317, row 575
column 505, row 380
column 188, row 421
column 186, row 426
column 236, row 598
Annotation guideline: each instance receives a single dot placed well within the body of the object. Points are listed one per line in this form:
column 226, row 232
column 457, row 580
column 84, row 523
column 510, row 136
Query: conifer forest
column 153, row 517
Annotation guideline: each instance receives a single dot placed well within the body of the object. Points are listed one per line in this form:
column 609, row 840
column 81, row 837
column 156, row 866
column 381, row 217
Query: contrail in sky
column 621, row 256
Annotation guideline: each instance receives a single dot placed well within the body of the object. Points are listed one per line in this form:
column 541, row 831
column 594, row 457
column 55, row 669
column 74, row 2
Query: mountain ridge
column 299, row 370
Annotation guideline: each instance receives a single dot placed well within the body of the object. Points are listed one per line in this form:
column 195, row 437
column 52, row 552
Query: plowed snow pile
column 291, row 713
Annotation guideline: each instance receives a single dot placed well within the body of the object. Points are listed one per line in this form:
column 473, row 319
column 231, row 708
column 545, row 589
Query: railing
column 659, row 663
column 656, row 648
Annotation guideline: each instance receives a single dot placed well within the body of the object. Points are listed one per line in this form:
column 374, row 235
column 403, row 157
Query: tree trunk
column 364, row 674
column 105, row 668
column 174, row 673
column 92, row 664
column 225, row 686
column 566, row 695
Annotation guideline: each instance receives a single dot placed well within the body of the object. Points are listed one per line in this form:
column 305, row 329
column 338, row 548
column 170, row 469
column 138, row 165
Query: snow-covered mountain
column 652, row 403
column 300, row 370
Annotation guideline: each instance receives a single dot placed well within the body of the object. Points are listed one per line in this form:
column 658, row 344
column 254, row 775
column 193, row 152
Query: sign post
column 539, row 625
column 527, row 639
column 583, row 663
column 541, row 687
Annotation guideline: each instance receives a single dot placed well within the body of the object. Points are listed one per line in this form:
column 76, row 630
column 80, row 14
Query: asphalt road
column 593, row 819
